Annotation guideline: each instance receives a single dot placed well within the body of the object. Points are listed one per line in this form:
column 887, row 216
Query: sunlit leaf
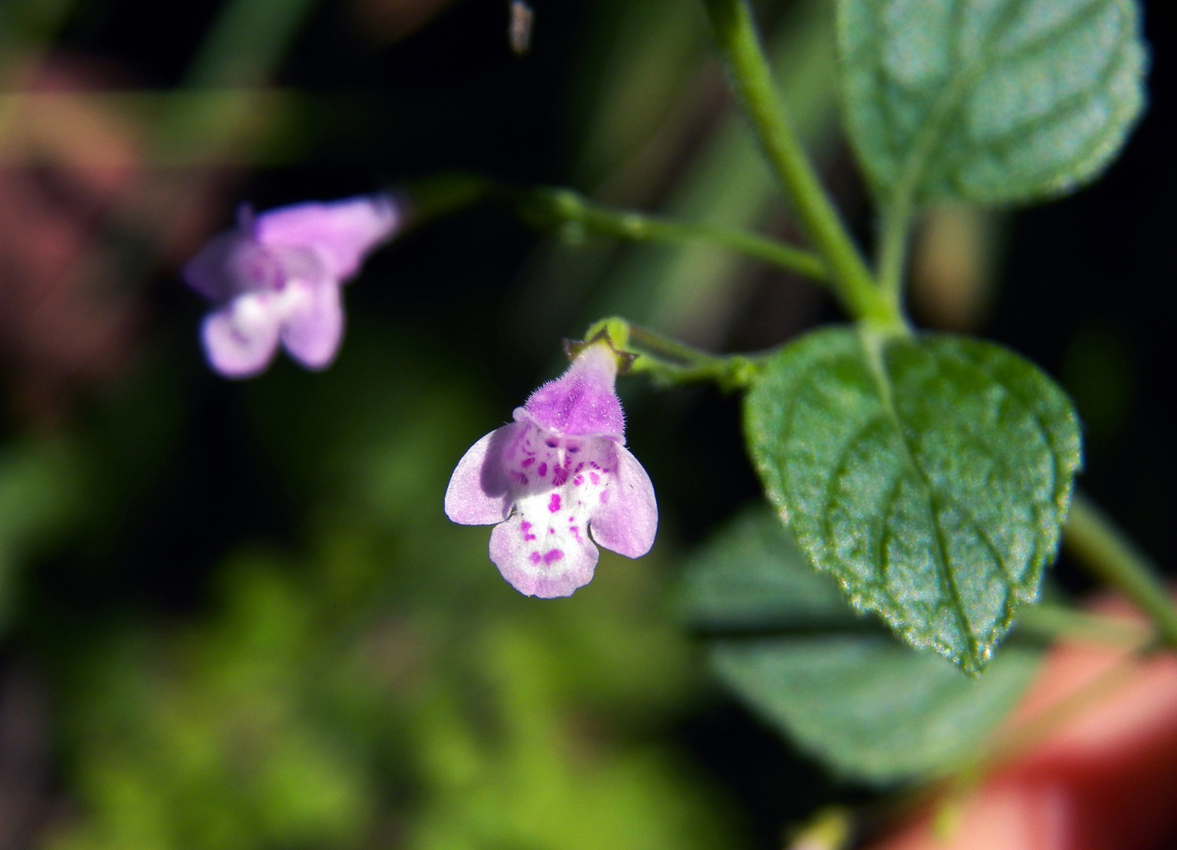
column 837, row 685
column 930, row 476
column 995, row 101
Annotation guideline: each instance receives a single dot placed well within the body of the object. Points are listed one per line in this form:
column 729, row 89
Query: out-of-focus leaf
column 755, row 578
column 993, row 102
column 39, row 494
column 31, row 22
column 930, row 476
column 867, row 706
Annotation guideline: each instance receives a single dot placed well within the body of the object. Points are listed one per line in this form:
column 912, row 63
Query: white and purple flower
column 276, row 277
column 557, row 474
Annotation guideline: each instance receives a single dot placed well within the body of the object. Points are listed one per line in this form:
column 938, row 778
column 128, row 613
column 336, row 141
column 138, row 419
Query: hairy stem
column 668, row 361
column 741, row 51
column 572, row 208
column 564, row 209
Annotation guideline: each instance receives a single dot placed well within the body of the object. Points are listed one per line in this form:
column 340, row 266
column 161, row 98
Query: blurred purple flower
column 277, row 277
column 559, row 471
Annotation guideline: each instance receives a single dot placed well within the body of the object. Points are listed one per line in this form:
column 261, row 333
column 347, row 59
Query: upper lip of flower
column 523, row 414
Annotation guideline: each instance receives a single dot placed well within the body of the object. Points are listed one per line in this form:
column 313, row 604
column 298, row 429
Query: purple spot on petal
column 528, row 462
column 551, row 444
column 593, row 477
column 559, row 476
column 553, row 555
column 578, row 480
column 536, row 557
column 554, row 505
column 526, row 526
column 543, row 470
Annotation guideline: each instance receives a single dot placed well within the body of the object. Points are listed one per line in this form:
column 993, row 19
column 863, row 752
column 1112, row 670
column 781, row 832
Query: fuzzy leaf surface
column 990, row 101
column 929, row 476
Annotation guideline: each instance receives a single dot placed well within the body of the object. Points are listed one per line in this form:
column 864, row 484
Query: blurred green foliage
column 39, row 498
column 874, row 710
column 354, row 673
column 379, row 682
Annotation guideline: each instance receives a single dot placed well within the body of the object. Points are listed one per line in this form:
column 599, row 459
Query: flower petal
column 241, row 337
column 626, row 520
column 540, row 555
column 314, row 323
column 582, row 401
column 341, row 232
column 478, row 493
column 231, row 264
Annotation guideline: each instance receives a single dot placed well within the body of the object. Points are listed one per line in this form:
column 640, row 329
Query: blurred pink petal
column 277, row 276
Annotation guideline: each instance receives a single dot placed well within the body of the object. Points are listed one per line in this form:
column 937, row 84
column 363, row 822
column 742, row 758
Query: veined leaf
column 930, row 476
column 992, row 101
column 836, row 684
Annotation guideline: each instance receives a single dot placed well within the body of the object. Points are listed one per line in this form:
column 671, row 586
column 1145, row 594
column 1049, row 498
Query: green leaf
column 869, row 707
column 755, row 578
column 930, row 476
column 993, row 102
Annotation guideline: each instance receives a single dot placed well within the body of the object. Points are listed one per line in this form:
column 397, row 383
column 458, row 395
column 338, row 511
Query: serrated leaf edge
column 871, row 346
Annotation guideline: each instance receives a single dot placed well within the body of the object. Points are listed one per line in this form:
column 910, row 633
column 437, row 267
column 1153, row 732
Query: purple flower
column 276, row 277
column 557, row 473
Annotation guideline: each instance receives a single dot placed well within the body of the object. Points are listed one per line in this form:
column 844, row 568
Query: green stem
column 1103, row 547
column 668, row 361
column 1058, row 622
column 893, row 248
column 445, row 194
column 751, row 78
column 571, row 207
column 547, row 207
